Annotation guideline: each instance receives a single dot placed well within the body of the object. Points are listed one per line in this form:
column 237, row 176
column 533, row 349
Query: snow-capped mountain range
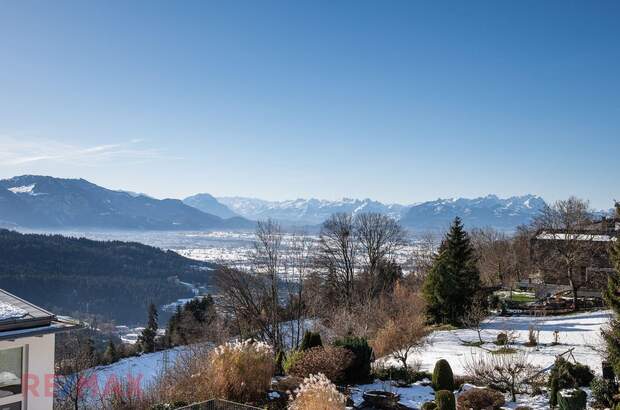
column 306, row 211
column 501, row 213
column 42, row 201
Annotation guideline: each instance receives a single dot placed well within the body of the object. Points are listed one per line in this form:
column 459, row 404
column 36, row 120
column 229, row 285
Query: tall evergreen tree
column 147, row 338
column 454, row 280
column 612, row 298
column 111, row 354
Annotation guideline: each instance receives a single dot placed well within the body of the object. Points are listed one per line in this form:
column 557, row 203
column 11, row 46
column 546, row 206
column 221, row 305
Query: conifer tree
column 111, row 354
column 147, row 338
column 611, row 295
column 454, row 280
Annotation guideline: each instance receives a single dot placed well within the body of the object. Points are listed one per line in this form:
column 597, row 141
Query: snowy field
column 580, row 331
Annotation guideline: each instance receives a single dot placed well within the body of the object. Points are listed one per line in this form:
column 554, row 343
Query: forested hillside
column 113, row 279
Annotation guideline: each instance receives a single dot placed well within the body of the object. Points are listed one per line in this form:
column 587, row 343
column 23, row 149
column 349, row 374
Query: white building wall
column 38, row 356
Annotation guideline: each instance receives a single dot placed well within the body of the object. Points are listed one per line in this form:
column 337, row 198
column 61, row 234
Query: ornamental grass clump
column 317, row 392
column 240, row 371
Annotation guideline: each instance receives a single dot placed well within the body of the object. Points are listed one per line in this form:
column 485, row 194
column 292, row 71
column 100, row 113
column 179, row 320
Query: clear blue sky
column 397, row 101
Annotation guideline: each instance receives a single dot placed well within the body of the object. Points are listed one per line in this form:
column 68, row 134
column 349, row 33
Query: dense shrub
column 443, row 378
column 567, row 375
column 429, row 405
column 359, row 370
column 481, row 399
column 310, row 340
column 582, row 373
column 317, row 393
column 330, row 360
column 603, row 391
column 290, row 360
column 445, row 400
column 399, row 373
column 572, row 399
column 502, row 339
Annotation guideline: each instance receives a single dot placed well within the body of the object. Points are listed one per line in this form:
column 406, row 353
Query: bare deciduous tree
column 404, row 329
column 301, row 260
column 267, row 261
column 495, row 256
column 243, row 298
column 339, row 254
column 76, row 383
column 379, row 237
column 507, row 371
column 562, row 241
column 474, row 318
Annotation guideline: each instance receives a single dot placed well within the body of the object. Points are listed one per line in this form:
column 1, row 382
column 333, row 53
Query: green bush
column 582, row 373
column 603, row 391
column 359, row 371
column 481, row 399
column 572, row 399
column 291, row 359
column 310, row 340
column 501, row 339
column 445, row 400
column 429, row 405
column 401, row 374
column 566, row 375
column 443, row 378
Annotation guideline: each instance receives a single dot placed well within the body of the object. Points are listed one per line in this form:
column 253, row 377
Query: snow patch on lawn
column 581, row 331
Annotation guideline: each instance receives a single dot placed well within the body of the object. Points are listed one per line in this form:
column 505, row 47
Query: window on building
column 11, row 371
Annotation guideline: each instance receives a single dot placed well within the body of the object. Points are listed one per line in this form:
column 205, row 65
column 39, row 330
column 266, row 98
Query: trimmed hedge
column 359, row 370
column 445, row 400
column 443, row 378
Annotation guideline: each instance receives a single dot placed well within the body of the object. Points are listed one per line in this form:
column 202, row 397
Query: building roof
column 561, row 236
column 19, row 318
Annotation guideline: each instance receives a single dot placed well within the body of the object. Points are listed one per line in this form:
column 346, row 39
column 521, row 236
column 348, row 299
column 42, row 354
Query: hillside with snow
column 36, row 201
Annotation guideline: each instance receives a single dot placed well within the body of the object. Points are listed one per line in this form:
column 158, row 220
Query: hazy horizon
column 402, row 103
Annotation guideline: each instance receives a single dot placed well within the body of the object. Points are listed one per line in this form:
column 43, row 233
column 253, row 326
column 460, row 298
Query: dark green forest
column 113, row 280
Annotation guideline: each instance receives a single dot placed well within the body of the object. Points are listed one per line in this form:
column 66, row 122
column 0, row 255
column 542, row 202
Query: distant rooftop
column 19, row 318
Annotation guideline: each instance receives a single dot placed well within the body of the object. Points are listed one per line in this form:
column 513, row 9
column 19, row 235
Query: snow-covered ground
column 142, row 369
column 581, row 331
column 417, row 394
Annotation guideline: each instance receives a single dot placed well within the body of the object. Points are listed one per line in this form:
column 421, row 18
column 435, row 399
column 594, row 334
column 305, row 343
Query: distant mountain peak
column 37, row 201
